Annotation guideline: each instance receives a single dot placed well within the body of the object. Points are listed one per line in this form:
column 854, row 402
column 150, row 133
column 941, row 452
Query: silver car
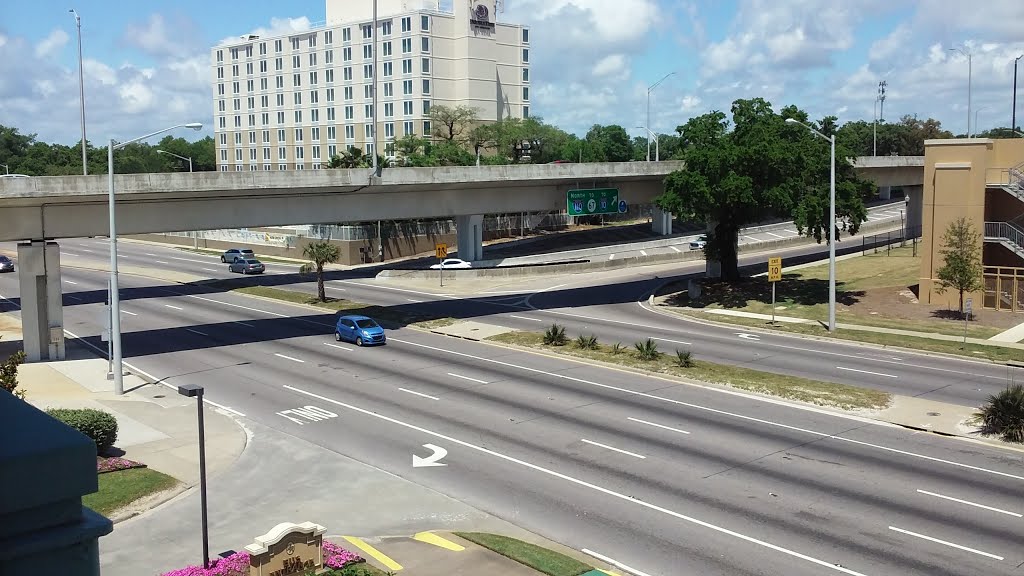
column 232, row 254
column 249, row 266
column 6, row 264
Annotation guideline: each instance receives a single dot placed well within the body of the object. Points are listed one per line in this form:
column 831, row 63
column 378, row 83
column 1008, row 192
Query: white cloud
column 158, row 37
column 278, row 27
column 611, row 65
column 51, row 44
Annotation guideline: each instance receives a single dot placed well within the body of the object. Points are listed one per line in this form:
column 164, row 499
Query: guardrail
column 1005, row 232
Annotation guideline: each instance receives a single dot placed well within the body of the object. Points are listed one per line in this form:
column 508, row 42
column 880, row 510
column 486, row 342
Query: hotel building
column 293, row 102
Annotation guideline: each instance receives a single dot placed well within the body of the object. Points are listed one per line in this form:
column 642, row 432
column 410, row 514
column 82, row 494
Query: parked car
column 699, row 243
column 451, row 263
column 248, row 266
column 6, row 264
column 232, row 254
column 360, row 330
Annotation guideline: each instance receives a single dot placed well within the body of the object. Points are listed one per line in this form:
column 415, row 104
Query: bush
column 1004, row 414
column 237, row 564
column 647, row 350
column 98, row 425
column 684, row 358
column 555, row 336
column 617, row 348
column 586, row 342
column 9, row 374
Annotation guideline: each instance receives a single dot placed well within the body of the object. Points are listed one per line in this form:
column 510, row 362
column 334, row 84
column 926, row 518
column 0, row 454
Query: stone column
column 661, row 221
column 470, row 230
column 42, row 312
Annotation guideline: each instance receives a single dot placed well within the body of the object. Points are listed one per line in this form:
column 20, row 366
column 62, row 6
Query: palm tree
column 319, row 253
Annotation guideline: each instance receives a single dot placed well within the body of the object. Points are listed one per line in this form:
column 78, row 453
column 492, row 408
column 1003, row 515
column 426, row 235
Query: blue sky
column 147, row 63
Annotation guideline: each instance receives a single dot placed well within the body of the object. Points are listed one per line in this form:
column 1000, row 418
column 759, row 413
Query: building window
column 295, row 43
column 220, row 55
column 426, row 107
column 368, row 130
column 332, row 135
column 234, row 53
column 329, row 57
column 389, row 129
column 526, row 35
column 409, row 128
column 251, row 102
column 280, row 135
column 526, row 111
column 367, row 31
column 296, row 80
column 223, row 122
column 388, row 70
column 280, row 99
column 266, row 166
column 234, row 69
column 252, row 154
column 368, row 111
column 224, row 155
column 346, row 35
column 312, row 40
column 350, row 112
column 424, row 22
column 314, row 134
column 526, row 74
column 296, row 61
column 248, row 51
column 348, row 73
column 426, row 86
column 235, row 87
column 407, row 24
column 298, row 117
column 385, row 28
column 406, row 45
column 279, row 82
column 250, row 86
column 350, row 132
column 386, row 49
column 389, row 109
column 425, row 65
column 266, row 136
column 278, row 46
column 223, row 139
column 263, row 83
column 220, row 105
column 238, row 138
column 266, row 152
column 526, row 54
column 367, row 51
column 278, row 64
column 330, row 93
column 263, row 66
column 526, row 93
column 314, row 97
column 348, row 92
column 406, row 87
column 312, row 58
column 248, row 68
column 407, row 66
column 265, row 119
column 368, row 71
column 346, row 54
column 220, row 89
column 282, row 167
column 238, row 154
column 280, row 117
column 314, row 115
column 407, row 107
column 329, row 37
column 281, row 153
column 316, row 152
column 299, row 153
column 312, row 78
column 425, row 44
column 298, row 134
column 297, row 98
column 238, row 121
column 367, row 91
column 426, row 127
column 332, row 151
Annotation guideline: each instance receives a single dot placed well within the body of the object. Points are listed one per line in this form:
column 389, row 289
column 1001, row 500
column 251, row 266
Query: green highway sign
column 592, row 201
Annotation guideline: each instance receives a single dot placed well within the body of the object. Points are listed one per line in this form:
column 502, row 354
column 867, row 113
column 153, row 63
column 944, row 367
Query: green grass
column 540, row 559
column 120, row 488
column 360, row 569
column 791, row 387
column 385, row 315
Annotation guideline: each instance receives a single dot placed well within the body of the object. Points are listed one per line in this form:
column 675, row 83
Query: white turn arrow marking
column 431, row 460
column 748, row 336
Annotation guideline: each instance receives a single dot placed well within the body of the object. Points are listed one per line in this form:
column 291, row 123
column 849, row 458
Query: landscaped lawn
column 118, row 489
column 541, row 559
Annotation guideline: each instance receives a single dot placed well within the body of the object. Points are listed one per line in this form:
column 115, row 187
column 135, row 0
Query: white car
column 699, row 243
column 451, row 263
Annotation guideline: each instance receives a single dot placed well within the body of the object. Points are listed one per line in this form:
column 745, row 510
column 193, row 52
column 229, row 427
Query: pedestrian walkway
column 1015, row 334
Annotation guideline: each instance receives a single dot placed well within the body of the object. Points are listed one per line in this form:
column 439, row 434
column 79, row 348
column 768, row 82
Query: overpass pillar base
column 884, row 192
column 470, row 231
column 661, row 222
column 42, row 312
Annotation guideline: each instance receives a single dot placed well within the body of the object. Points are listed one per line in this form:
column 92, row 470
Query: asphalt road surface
column 663, row 478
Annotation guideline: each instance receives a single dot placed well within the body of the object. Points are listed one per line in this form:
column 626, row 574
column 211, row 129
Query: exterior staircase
column 1009, row 234
column 1015, row 182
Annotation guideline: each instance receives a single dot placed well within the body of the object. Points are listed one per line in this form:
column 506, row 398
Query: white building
column 294, row 101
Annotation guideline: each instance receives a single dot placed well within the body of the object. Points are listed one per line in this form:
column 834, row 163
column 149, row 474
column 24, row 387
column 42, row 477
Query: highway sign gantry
column 592, row 201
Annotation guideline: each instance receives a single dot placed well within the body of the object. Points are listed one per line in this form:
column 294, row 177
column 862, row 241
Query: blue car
column 359, row 330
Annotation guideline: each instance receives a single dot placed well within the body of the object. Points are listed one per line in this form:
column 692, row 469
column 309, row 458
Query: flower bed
column 237, row 564
column 115, row 464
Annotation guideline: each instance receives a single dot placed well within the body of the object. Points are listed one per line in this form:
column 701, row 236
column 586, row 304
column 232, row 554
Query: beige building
column 293, row 102
column 983, row 180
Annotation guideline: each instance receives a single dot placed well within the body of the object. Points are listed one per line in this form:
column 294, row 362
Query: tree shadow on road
column 740, row 293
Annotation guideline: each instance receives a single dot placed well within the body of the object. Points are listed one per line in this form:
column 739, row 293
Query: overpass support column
column 884, row 192
column 42, row 313
column 470, row 231
column 661, row 221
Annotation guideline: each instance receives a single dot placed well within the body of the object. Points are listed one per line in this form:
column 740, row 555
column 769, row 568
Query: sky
column 147, row 64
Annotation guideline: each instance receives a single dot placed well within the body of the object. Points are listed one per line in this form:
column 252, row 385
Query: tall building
column 293, row 102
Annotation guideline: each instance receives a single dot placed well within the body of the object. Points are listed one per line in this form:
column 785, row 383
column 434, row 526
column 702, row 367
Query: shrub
column 9, row 373
column 647, row 350
column 98, row 425
column 237, row 564
column 555, row 336
column 1004, row 414
column 617, row 348
column 586, row 342
column 337, row 557
column 684, row 358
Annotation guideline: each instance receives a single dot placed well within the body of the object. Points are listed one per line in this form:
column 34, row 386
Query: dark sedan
column 249, row 266
column 6, row 264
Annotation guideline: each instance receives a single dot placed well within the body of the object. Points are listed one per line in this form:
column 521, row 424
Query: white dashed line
column 598, row 444
column 128, row 313
column 866, row 372
column 468, row 378
column 198, row 332
column 71, row 282
column 643, row 253
column 662, row 426
column 525, row 318
column 173, row 307
column 945, row 543
column 290, row 358
column 615, row 563
column 676, row 249
column 611, row 256
column 419, row 394
column 345, row 348
column 976, row 505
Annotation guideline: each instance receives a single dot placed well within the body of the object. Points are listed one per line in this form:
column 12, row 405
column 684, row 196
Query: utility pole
column 81, row 91
column 1013, row 120
column 879, row 103
column 373, row 92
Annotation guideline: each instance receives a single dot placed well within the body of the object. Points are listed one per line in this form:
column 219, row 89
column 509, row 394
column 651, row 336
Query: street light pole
column 649, row 90
column 1013, row 118
column 81, row 91
column 373, row 92
column 970, row 65
column 657, row 144
column 178, row 157
column 196, row 391
column 832, row 225
column 115, row 296
column 879, row 99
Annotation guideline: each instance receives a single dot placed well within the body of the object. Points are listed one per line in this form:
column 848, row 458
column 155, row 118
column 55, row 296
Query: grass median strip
column 791, row 387
column 540, row 559
column 121, row 488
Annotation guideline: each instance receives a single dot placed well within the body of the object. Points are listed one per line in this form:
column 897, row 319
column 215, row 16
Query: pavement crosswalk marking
column 374, row 553
column 431, row 538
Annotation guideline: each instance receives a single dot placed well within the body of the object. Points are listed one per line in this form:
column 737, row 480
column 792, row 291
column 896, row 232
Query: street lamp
column 1013, row 118
column 196, row 391
column 970, row 57
column 649, row 90
column 115, row 296
column 980, row 108
column 178, row 157
column 81, row 91
column 832, row 226
column 657, row 145
column 879, row 99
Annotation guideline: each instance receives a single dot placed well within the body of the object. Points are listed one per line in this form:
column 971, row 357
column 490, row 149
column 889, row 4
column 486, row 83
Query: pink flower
column 235, row 565
column 337, row 557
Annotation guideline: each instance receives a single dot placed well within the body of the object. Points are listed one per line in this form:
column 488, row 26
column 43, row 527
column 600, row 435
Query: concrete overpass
column 37, row 210
column 889, row 171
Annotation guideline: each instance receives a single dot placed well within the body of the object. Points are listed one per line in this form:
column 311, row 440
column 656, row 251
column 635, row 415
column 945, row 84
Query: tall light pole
column 879, row 99
column 178, row 157
column 970, row 57
column 649, row 90
column 373, row 92
column 832, row 226
column 196, row 391
column 979, row 109
column 657, row 145
column 81, row 91
column 115, row 296
column 1013, row 118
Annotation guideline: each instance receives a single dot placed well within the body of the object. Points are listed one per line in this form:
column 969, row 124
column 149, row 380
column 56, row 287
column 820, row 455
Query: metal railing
column 1006, row 233
column 886, row 241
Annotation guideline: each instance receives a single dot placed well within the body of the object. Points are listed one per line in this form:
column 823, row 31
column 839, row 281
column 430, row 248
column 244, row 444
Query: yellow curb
column 374, row 553
column 431, row 538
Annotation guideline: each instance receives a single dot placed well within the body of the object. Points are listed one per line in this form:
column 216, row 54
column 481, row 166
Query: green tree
column 609, row 144
column 762, row 167
column 9, row 374
column 349, row 159
column 453, row 124
column 961, row 259
column 411, row 150
column 319, row 254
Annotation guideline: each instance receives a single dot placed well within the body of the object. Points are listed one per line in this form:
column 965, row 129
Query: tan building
column 293, row 102
column 983, row 180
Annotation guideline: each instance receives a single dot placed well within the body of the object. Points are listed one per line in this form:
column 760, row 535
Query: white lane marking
column 243, row 324
column 612, row 448
column 662, row 426
column 154, row 379
column 676, row 249
column 525, row 318
column 128, row 313
column 75, row 298
column 189, row 260
column 976, row 505
column 419, row 394
column 672, row 341
column 327, row 287
column 468, row 378
column 211, row 269
column 866, row 372
column 86, row 250
column 198, row 332
column 378, row 287
column 153, row 255
column 722, row 412
column 772, row 234
column 583, row 483
column 617, row 564
column 643, row 252
column 66, row 253
column 950, row 544
column 237, row 306
column 289, row 358
column 611, row 256
column 174, row 307
column 345, row 348
column 414, row 301
column 161, row 262
column 71, row 282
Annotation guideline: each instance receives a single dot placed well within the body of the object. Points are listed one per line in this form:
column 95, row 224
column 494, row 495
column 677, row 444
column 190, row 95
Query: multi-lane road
column 666, row 479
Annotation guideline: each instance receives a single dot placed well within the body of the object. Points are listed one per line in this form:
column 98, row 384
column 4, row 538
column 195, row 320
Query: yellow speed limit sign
column 441, row 250
column 774, row 269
